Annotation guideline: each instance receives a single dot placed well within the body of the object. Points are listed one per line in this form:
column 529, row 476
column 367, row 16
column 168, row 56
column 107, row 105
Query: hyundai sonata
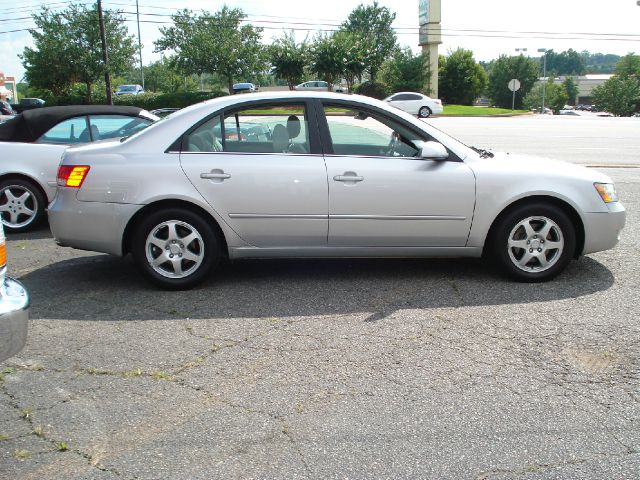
column 322, row 175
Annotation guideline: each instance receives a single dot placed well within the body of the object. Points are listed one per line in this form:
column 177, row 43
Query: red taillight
column 439, row 102
column 72, row 175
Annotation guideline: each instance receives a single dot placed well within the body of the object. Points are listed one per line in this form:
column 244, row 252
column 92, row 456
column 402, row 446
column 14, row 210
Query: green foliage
column 326, row 58
column 599, row 62
column 372, row 89
column 619, row 95
column 371, row 25
column 288, row 59
column 555, row 96
column 68, row 48
column 571, row 89
column 353, row 61
column 628, row 66
column 404, row 71
column 214, row 43
column 148, row 100
column 461, row 79
column 502, row 70
column 569, row 62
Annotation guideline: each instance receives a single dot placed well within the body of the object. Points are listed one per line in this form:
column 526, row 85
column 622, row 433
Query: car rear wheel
column 424, row 112
column 21, row 205
column 175, row 248
column 534, row 243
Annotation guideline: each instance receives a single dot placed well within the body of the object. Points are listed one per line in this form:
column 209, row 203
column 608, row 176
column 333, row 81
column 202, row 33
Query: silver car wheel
column 535, row 244
column 174, row 249
column 18, row 206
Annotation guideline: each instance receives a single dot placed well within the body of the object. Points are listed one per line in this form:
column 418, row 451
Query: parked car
column 339, row 177
column 14, row 308
column 6, row 109
column 129, row 90
column 319, row 86
column 415, row 103
column 163, row 112
column 27, row 104
column 32, row 144
column 244, row 87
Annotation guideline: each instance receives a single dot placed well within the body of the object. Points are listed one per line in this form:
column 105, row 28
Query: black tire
column 424, row 112
column 207, row 247
column 546, row 262
column 35, row 202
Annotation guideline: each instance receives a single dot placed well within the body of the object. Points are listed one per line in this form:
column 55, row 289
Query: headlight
column 607, row 192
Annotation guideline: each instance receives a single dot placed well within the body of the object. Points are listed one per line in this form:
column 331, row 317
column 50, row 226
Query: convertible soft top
column 32, row 124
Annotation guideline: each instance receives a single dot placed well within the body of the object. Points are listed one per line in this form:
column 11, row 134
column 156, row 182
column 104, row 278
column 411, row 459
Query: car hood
column 532, row 165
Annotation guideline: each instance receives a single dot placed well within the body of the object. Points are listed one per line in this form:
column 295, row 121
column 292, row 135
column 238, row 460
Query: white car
column 32, row 143
column 319, row 86
column 319, row 174
column 415, row 103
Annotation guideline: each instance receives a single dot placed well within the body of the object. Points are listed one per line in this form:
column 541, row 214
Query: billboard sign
column 423, row 12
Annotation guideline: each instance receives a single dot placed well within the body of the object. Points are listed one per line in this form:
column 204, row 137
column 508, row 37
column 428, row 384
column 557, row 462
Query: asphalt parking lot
column 329, row 368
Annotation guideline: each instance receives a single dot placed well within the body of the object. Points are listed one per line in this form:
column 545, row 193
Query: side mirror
column 434, row 151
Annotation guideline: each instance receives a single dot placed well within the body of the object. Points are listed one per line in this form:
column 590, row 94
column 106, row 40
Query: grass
column 23, row 454
column 467, row 110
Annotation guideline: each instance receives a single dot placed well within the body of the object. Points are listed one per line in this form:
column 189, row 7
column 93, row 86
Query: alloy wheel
column 18, row 206
column 535, row 244
column 174, row 249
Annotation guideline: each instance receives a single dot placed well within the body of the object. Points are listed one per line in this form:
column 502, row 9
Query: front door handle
column 348, row 177
column 217, row 175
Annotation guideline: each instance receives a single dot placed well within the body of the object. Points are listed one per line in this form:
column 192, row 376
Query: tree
column 571, row 89
column 618, row 95
column 628, row 66
column 569, row 62
column 504, row 69
column 555, row 96
column 68, row 49
column 214, row 43
column 354, row 56
column 159, row 76
column 288, row 59
column 404, row 71
column 461, row 79
column 327, row 58
column 377, row 39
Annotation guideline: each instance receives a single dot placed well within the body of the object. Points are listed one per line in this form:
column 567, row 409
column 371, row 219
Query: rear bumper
column 14, row 317
column 94, row 226
column 602, row 230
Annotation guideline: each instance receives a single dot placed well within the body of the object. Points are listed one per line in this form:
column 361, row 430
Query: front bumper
column 602, row 230
column 14, row 317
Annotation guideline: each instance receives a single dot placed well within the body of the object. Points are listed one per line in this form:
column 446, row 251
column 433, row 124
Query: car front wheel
column 21, row 205
column 175, row 248
column 534, row 243
column 424, row 112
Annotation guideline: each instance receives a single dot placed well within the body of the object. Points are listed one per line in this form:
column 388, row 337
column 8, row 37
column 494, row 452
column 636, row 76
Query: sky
column 487, row 27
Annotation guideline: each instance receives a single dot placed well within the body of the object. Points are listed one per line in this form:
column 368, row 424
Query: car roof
column 32, row 124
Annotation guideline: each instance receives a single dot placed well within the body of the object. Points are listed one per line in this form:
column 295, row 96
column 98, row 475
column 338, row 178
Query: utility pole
column 105, row 56
column 139, row 43
column 544, row 75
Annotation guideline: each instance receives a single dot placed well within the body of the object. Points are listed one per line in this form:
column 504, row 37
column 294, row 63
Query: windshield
column 127, row 88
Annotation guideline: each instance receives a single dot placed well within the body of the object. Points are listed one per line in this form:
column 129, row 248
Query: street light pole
column 139, row 44
column 105, row 55
column 544, row 75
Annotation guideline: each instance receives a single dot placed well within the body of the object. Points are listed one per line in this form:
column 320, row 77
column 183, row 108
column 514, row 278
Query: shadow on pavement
column 109, row 288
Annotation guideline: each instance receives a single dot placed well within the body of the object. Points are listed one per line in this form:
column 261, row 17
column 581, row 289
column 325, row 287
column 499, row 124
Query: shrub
column 148, row 101
column 372, row 89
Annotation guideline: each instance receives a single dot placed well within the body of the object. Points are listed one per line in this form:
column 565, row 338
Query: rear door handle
column 216, row 175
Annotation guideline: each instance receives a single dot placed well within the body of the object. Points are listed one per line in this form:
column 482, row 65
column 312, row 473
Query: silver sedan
column 309, row 174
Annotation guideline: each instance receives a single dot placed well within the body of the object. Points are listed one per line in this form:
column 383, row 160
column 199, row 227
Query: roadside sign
column 514, row 84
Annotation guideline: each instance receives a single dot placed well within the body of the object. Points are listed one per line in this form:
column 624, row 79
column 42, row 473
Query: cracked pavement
column 325, row 369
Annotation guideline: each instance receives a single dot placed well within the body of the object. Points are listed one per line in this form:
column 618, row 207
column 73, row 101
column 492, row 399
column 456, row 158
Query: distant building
column 8, row 88
column 585, row 83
